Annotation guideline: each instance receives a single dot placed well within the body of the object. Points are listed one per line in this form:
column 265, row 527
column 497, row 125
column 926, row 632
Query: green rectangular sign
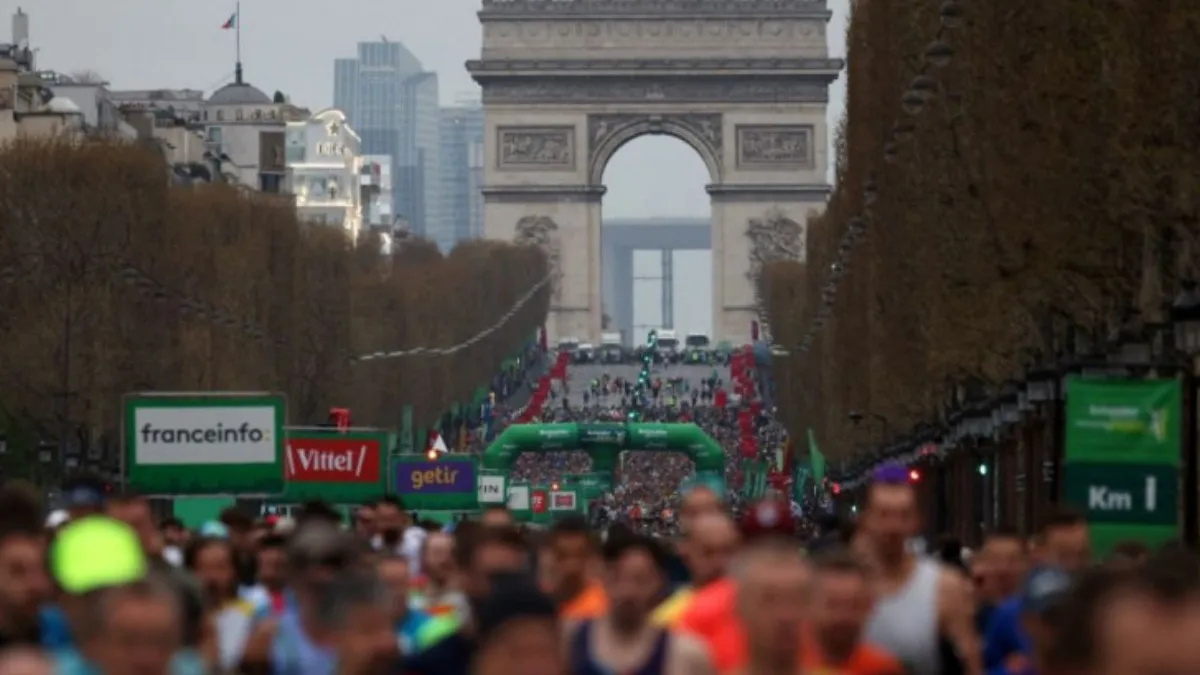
column 1125, row 421
column 1126, row 494
column 201, row 443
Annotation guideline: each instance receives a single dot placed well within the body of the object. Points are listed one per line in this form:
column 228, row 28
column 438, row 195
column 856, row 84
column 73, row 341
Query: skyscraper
column 462, row 174
column 393, row 104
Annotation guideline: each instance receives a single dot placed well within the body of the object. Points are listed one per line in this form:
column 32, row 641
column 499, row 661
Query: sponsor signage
column 562, row 501
column 449, row 482
column 491, row 490
column 199, row 443
column 1123, row 451
column 338, row 468
column 332, row 459
column 518, row 498
column 537, row 501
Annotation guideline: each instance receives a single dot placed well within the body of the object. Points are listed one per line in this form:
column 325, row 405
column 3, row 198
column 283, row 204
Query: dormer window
column 257, row 114
column 239, row 114
column 220, row 115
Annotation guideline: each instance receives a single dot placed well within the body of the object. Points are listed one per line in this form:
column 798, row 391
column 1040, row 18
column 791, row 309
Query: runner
column 842, row 602
column 711, row 541
column 920, row 601
column 624, row 640
column 579, row 594
column 772, row 585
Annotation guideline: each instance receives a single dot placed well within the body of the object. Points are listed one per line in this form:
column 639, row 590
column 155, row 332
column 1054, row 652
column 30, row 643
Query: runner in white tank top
column 920, row 601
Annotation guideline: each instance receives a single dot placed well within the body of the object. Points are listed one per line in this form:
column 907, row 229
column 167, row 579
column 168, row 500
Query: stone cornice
column 543, row 194
column 490, row 68
column 774, row 192
column 543, row 9
column 654, row 90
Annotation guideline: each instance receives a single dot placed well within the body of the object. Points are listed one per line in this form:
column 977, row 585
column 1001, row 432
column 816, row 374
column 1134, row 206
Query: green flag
column 816, row 460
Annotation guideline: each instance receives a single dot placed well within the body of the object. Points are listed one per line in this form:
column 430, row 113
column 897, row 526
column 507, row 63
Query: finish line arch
column 604, row 443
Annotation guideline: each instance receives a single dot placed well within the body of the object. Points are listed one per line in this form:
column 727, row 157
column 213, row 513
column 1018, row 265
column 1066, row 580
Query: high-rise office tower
column 462, row 174
column 392, row 103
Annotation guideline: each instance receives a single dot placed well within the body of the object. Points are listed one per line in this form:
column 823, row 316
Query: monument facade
column 566, row 83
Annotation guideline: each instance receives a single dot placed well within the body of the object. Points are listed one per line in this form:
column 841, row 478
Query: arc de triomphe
column 566, row 83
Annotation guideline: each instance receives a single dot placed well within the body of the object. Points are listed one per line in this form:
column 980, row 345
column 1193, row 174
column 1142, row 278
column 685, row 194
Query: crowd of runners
column 109, row 591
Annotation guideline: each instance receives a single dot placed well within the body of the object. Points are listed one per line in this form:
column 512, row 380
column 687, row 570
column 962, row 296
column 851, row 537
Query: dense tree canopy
column 112, row 281
column 1027, row 175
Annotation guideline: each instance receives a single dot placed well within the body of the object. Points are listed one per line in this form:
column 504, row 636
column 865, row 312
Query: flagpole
column 237, row 27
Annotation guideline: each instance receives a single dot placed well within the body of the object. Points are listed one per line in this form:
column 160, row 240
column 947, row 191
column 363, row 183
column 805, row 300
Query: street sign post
column 1122, row 457
column 193, row 443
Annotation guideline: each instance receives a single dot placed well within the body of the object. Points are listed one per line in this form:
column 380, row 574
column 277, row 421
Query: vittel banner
column 332, row 460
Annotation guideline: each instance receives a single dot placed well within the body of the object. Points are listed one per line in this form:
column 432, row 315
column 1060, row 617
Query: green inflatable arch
column 605, row 442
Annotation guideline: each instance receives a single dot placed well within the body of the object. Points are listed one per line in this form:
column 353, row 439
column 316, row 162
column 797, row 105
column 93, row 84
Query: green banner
column 1122, row 456
column 198, row 443
column 1131, row 421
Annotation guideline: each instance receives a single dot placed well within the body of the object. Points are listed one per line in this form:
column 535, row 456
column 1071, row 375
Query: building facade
column 393, row 104
column 379, row 213
column 462, row 175
column 244, row 135
column 324, row 171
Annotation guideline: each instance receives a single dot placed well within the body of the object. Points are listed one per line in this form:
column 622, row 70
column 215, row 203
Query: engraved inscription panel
column 537, row 148
column 783, row 37
column 775, row 146
column 599, row 90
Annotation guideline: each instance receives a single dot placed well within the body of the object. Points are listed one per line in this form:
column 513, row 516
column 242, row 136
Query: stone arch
column 566, row 83
column 608, row 133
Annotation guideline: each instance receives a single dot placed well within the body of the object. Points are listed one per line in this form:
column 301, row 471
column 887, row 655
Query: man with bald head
column 708, row 544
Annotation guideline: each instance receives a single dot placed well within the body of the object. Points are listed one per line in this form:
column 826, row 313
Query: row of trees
column 111, row 282
column 1027, row 177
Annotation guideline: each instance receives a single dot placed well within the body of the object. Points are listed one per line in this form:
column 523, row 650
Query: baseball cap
column 1045, row 588
column 96, row 552
column 768, row 517
column 214, row 530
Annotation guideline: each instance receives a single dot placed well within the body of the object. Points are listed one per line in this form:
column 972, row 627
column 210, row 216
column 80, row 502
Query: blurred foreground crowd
column 105, row 590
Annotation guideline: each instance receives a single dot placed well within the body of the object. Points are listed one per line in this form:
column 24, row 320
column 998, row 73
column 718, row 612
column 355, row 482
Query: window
column 215, row 136
column 257, row 114
column 270, row 182
column 220, row 115
column 239, row 114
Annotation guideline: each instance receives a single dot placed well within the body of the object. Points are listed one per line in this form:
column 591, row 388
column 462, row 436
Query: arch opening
column 657, row 233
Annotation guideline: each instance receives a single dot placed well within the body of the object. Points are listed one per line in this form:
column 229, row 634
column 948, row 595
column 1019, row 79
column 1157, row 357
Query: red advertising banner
column 537, row 501
column 332, row 460
column 562, row 501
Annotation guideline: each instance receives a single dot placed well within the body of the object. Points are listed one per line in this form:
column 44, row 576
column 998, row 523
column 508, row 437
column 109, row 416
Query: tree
column 114, row 282
column 1036, row 190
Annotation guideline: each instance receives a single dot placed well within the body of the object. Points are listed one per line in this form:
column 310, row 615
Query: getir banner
column 334, row 467
column 449, row 482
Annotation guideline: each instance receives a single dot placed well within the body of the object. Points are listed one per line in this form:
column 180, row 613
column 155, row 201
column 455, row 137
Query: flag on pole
column 231, row 23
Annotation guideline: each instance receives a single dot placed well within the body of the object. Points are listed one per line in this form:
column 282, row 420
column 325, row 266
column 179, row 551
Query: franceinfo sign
column 189, row 443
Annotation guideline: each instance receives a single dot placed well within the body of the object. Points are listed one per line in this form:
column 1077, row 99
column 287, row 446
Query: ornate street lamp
column 1185, row 316
column 1010, row 408
column 870, row 191
column 952, row 14
column 924, row 86
column 912, row 102
column 1040, row 385
column 939, row 54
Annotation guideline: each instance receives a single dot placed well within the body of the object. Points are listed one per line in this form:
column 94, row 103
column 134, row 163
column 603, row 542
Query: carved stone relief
column 542, row 232
column 706, row 128
column 551, row 90
column 773, row 237
column 774, row 146
column 537, row 148
column 721, row 35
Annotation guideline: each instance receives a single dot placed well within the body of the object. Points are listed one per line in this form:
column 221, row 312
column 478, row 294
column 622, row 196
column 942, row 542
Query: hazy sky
column 290, row 45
